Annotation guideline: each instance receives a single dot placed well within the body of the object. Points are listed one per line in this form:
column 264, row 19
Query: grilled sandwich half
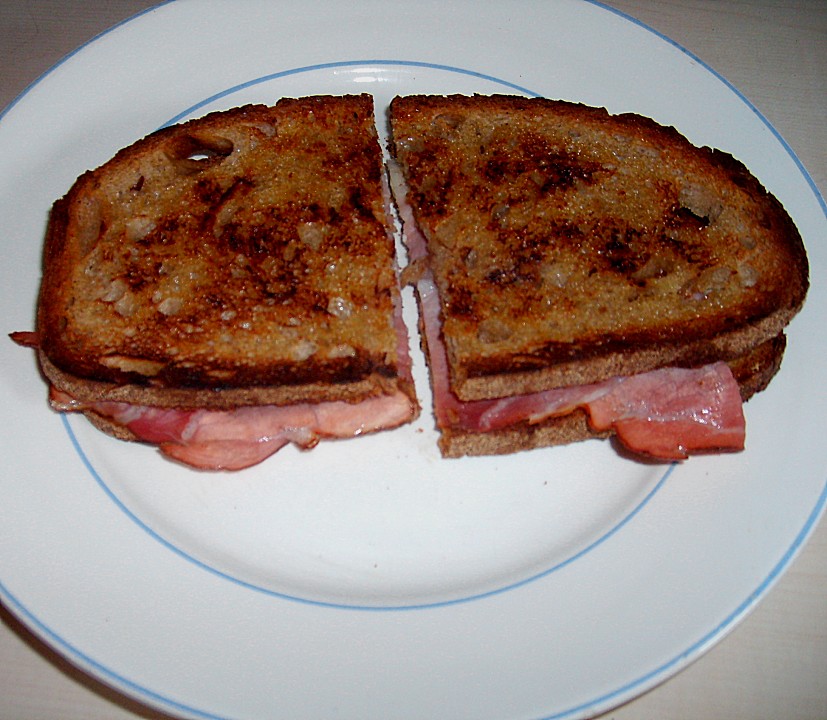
column 583, row 274
column 228, row 285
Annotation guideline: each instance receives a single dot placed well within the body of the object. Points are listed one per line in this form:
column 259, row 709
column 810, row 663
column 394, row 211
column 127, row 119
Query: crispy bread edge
column 90, row 391
column 725, row 346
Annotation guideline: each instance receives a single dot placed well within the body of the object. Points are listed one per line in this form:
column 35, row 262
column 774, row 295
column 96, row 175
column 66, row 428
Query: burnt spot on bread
column 642, row 255
column 503, row 276
column 548, row 166
column 162, row 232
column 139, row 275
column 523, row 268
column 347, row 160
column 461, row 302
column 249, row 239
column 624, row 252
column 221, row 202
column 215, row 300
column 431, row 191
column 360, row 204
column 208, row 191
column 429, row 203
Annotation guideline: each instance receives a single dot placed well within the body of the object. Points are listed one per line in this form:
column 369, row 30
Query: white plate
column 371, row 578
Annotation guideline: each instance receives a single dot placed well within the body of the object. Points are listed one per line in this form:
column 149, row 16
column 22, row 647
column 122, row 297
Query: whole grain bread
column 753, row 372
column 245, row 257
column 569, row 245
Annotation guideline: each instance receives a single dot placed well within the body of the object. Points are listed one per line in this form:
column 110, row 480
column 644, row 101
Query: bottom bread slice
column 753, row 372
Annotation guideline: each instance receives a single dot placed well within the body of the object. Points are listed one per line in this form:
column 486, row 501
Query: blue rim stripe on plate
column 101, row 671
column 595, row 704
column 345, row 606
column 735, row 91
column 706, row 640
column 412, row 606
column 344, row 64
column 607, row 700
column 74, row 52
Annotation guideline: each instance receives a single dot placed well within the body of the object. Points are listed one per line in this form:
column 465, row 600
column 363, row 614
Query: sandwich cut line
column 245, row 261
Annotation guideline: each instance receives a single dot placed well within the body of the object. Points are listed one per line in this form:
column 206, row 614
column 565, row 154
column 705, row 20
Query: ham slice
column 245, row 436
column 26, row 338
column 239, row 438
column 666, row 414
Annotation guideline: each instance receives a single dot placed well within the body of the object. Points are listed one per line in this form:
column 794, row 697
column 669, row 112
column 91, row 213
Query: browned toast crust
column 220, row 398
column 240, row 258
column 569, row 245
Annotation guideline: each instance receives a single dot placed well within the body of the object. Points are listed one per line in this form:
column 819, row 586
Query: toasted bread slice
column 569, row 245
column 242, row 258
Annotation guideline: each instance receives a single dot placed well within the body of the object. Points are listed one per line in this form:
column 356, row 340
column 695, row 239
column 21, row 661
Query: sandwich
column 581, row 274
column 229, row 285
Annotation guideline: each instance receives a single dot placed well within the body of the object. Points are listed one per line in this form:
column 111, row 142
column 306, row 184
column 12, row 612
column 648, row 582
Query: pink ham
column 235, row 439
column 685, row 411
column 666, row 413
column 239, row 438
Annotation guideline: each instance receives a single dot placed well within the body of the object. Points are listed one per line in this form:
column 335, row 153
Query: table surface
column 773, row 664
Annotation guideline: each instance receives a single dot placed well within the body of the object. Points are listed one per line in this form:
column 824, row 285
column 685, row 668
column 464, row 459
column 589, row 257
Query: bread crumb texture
column 246, row 247
column 557, row 231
